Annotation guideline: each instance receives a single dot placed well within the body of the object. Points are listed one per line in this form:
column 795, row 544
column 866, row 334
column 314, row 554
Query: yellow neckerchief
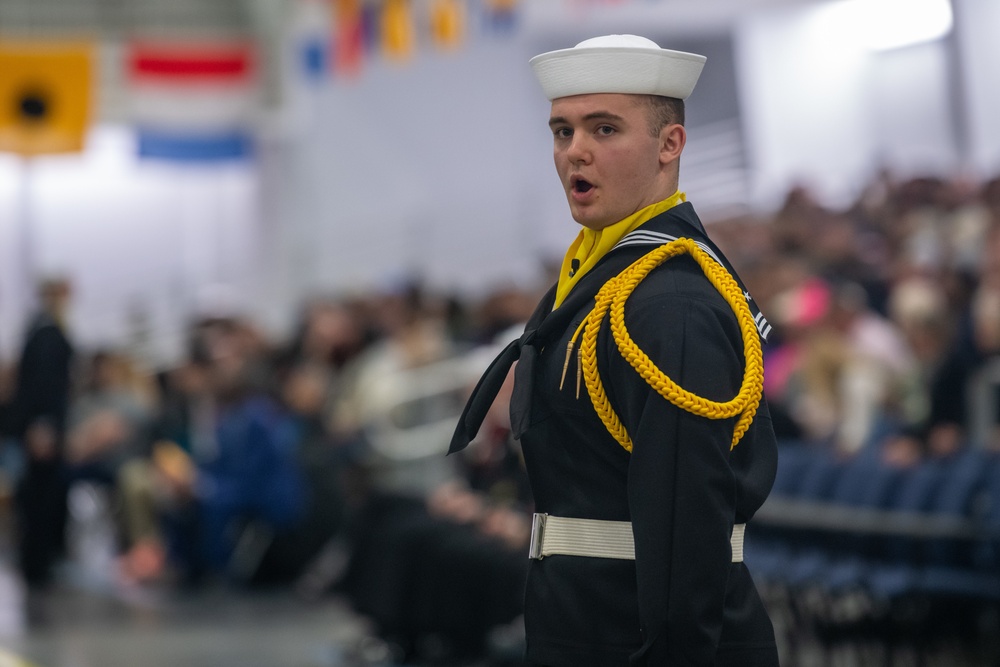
column 591, row 245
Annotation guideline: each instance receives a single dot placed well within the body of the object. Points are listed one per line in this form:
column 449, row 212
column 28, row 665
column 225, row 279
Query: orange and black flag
column 45, row 96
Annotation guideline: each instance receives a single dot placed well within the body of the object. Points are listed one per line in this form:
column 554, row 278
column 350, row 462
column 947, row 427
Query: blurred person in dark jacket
column 38, row 421
column 963, row 400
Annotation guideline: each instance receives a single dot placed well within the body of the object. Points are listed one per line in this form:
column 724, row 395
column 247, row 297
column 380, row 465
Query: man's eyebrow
column 596, row 115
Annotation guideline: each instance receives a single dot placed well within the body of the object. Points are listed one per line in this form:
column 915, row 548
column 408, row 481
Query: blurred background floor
column 68, row 627
column 84, row 619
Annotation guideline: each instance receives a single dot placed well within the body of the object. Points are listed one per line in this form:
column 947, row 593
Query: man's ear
column 673, row 137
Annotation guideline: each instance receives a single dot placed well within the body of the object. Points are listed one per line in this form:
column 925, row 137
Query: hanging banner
column 193, row 102
column 397, row 30
column 312, row 35
column 448, row 23
column 348, row 37
column 45, row 96
column 501, row 15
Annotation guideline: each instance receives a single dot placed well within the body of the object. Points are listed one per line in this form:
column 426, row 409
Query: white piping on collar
column 643, row 237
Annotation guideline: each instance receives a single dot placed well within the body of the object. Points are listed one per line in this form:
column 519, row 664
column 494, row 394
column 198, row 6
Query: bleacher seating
column 862, row 549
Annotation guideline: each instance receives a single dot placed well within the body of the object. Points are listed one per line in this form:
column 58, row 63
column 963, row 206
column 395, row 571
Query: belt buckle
column 537, row 533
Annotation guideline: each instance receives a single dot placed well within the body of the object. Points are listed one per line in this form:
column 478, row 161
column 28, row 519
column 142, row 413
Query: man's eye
column 605, row 130
column 562, row 133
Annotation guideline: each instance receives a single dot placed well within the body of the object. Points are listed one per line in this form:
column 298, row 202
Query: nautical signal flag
column 397, row 29
column 45, row 96
column 193, row 101
column 311, row 33
column 448, row 23
column 349, row 37
column 501, row 14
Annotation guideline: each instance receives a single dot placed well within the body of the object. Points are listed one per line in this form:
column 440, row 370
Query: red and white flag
column 193, row 101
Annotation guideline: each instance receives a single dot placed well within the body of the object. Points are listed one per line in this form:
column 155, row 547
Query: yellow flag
column 45, row 96
column 448, row 23
column 397, row 29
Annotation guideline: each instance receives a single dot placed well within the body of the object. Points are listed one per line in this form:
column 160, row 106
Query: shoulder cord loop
column 613, row 295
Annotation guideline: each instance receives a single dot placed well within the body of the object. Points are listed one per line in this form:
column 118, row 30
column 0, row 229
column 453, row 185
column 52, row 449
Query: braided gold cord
column 612, row 297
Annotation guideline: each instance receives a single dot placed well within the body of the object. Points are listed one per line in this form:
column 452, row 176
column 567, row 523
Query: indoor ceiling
column 114, row 17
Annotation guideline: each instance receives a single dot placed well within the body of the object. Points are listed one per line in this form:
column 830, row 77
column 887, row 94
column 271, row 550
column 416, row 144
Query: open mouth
column 582, row 186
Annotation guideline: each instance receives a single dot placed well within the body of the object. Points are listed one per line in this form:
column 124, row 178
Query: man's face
column 607, row 159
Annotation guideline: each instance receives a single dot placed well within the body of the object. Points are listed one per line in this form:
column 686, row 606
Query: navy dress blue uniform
column 681, row 601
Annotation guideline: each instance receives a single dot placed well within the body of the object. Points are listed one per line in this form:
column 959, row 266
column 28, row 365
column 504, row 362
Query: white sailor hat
column 617, row 64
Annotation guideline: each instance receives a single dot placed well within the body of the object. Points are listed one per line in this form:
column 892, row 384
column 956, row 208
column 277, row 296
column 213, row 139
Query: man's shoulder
column 679, row 277
column 677, row 291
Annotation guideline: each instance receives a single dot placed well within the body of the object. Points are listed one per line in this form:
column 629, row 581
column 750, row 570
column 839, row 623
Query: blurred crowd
column 319, row 462
column 886, row 315
column 316, row 463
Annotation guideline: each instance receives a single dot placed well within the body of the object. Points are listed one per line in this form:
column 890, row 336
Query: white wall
column 979, row 24
column 144, row 244
column 910, row 110
column 823, row 109
column 419, row 166
column 802, row 88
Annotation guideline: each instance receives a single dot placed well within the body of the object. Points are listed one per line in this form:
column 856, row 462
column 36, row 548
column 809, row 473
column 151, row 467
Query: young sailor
column 637, row 396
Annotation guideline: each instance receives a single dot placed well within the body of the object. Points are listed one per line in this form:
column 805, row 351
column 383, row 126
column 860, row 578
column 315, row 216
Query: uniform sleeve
column 681, row 490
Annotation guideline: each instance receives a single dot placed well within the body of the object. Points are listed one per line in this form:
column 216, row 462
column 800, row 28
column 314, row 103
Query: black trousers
column 41, row 512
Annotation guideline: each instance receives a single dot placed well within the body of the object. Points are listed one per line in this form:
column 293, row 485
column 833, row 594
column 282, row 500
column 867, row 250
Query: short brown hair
column 664, row 111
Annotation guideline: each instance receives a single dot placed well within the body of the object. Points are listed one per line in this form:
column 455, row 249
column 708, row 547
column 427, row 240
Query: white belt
column 557, row 535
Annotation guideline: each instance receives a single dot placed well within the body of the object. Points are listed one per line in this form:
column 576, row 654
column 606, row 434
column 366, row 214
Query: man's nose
column 579, row 149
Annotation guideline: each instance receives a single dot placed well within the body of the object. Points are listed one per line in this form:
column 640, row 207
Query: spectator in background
column 330, row 334
column 11, row 463
column 918, row 308
column 990, row 197
column 109, row 418
column 239, row 483
column 38, row 421
column 840, row 369
column 878, row 361
column 795, row 224
column 387, row 411
column 109, row 428
column 801, row 367
column 182, row 431
column 304, row 391
column 500, row 310
column 961, row 403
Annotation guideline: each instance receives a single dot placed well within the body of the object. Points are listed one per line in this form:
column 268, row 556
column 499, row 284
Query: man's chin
column 590, row 221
